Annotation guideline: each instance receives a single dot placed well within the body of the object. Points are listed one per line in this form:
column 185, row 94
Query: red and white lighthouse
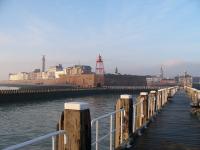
column 99, row 66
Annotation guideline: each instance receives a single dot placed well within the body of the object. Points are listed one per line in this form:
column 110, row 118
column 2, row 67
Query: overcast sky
column 137, row 36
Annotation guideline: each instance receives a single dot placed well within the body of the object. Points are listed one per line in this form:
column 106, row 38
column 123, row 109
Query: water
column 20, row 122
column 174, row 128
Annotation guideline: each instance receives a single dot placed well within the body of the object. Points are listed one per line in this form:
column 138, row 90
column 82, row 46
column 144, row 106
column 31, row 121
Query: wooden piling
column 77, row 125
column 125, row 102
column 139, row 112
column 144, row 97
column 152, row 97
column 159, row 100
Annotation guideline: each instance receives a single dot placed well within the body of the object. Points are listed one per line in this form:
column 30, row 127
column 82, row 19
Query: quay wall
column 124, row 80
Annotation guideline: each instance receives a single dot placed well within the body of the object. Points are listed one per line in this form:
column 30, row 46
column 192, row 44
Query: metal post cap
column 152, row 92
column 76, row 105
column 126, row 96
column 143, row 93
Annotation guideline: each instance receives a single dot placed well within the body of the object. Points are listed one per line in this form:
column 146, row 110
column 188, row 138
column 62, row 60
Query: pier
column 126, row 125
column 174, row 128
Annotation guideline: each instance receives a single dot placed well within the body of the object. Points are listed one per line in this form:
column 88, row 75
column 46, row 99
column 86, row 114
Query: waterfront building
column 84, row 80
column 151, row 80
column 34, row 75
column 78, row 70
column 44, row 75
column 52, row 71
column 58, row 74
column 55, row 68
column 124, row 80
column 18, row 76
column 36, row 70
column 168, row 81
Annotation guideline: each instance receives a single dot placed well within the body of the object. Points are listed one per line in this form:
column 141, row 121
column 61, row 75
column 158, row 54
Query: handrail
column 111, row 130
column 38, row 139
column 106, row 115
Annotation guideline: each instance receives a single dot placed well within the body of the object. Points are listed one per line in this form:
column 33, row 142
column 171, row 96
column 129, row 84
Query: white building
column 52, row 71
column 44, row 75
column 153, row 79
column 78, row 70
column 18, row 76
column 59, row 73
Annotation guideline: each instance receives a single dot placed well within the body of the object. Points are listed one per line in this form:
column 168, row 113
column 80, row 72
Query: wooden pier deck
column 174, row 128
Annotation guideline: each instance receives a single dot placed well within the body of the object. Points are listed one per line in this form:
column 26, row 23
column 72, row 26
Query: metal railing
column 39, row 139
column 139, row 106
column 111, row 130
column 135, row 115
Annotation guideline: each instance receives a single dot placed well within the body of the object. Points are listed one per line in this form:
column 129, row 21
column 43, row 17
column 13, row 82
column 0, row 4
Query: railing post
column 126, row 103
column 77, row 124
column 134, row 118
column 60, row 139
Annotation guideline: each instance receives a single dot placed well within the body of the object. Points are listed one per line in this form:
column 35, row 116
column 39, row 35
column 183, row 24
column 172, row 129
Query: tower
column 99, row 65
column 116, row 71
column 43, row 63
column 161, row 72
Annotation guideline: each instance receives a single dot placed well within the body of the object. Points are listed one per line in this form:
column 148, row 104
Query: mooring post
column 162, row 97
column 198, row 96
column 125, row 102
column 153, row 102
column 159, row 100
column 77, row 124
column 170, row 92
column 139, row 112
column 144, row 97
column 165, row 95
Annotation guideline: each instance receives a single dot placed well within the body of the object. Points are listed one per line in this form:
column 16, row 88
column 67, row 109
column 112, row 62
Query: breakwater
column 38, row 93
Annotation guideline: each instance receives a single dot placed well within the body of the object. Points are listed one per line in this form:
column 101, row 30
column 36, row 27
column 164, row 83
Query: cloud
column 172, row 63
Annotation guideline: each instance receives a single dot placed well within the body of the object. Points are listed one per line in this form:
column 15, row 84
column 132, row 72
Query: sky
column 137, row 36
